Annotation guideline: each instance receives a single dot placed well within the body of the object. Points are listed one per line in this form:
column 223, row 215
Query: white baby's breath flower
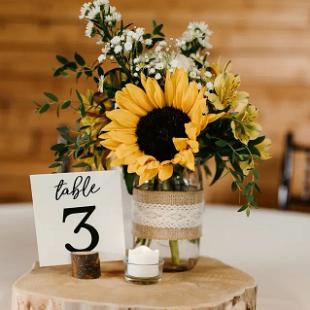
column 193, row 75
column 101, row 2
column 93, row 12
column 89, row 29
column 210, row 86
column 158, row 76
column 152, row 71
column 128, row 46
column 195, row 31
column 160, row 46
column 115, row 40
column 181, row 61
column 159, row 66
column 148, row 42
column 138, row 34
column 208, row 74
column 101, row 83
column 117, row 16
column 104, row 53
column 102, row 58
column 118, row 49
column 84, row 10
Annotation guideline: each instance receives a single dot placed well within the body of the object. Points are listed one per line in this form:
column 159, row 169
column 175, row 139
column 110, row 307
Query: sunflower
column 154, row 129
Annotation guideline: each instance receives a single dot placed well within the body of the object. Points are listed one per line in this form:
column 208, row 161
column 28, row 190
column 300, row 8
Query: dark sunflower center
column 156, row 130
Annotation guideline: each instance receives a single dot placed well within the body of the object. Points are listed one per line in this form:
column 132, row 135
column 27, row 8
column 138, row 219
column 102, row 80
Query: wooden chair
column 285, row 198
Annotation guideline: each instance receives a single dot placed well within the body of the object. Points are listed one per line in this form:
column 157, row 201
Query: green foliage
column 218, row 142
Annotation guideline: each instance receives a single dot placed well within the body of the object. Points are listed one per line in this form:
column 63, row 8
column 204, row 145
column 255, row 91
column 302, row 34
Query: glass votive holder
column 143, row 273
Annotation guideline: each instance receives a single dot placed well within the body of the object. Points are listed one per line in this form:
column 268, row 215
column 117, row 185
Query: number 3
column 92, row 230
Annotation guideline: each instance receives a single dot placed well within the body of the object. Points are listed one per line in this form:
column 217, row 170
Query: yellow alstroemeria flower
column 94, row 119
column 156, row 128
column 226, row 92
column 264, row 149
column 244, row 126
column 246, row 166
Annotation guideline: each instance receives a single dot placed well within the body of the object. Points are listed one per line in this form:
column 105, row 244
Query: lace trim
column 168, row 216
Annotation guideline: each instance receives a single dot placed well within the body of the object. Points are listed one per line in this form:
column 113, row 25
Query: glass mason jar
column 167, row 216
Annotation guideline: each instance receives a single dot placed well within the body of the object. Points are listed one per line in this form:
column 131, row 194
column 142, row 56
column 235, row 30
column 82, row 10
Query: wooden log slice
column 85, row 265
column 211, row 285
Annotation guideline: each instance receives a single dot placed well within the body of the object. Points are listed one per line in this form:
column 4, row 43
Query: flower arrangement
column 157, row 106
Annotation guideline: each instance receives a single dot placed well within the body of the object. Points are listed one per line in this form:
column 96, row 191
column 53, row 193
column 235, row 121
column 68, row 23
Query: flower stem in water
column 174, row 249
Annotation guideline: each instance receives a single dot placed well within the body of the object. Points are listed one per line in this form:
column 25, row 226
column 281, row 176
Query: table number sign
column 77, row 212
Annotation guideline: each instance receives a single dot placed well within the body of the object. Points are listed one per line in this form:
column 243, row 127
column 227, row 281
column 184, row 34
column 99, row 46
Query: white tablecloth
column 272, row 246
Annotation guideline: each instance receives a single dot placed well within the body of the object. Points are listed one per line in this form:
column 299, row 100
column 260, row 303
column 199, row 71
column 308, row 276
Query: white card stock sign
column 78, row 212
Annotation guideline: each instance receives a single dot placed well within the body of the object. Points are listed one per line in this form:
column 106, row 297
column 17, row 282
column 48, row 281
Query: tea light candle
column 143, row 262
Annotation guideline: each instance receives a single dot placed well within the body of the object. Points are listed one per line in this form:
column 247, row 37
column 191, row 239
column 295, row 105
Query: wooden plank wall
column 268, row 41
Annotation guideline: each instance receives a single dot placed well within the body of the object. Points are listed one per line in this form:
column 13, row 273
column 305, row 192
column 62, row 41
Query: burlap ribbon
column 167, row 215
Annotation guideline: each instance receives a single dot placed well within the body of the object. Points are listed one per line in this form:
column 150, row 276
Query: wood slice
column 211, row 285
column 85, row 265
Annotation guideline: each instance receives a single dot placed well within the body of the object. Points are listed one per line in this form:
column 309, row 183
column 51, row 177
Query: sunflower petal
column 185, row 158
column 180, row 143
column 125, row 150
column 110, row 144
column 210, row 118
column 169, row 90
column 165, row 172
column 154, row 93
column 124, row 117
column 194, row 145
column 147, row 175
column 198, row 110
column 121, row 136
column 180, row 85
column 125, row 101
column 192, row 130
column 139, row 97
column 117, row 162
column 112, row 126
column 189, row 97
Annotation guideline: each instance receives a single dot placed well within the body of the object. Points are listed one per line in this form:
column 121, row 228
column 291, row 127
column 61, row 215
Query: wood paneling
column 267, row 40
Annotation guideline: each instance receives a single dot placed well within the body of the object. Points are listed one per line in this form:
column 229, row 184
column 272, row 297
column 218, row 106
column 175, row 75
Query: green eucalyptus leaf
column 100, row 71
column 234, row 186
column 63, row 60
column 43, row 108
column 247, row 189
column 55, row 165
column 243, row 208
column 66, row 104
column 129, row 180
column 257, row 141
column 51, row 96
column 221, row 143
column 79, row 59
column 139, row 47
column 220, row 166
column 71, row 66
column 79, row 74
column 88, row 71
column 59, row 147
column 59, row 71
column 257, row 188
column 81, row 165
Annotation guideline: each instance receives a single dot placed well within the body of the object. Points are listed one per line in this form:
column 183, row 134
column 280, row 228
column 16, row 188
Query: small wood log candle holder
column 85, row 265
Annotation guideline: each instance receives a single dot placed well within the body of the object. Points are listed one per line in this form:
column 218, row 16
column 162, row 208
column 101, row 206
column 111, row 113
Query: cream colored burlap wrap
column 167, row 215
